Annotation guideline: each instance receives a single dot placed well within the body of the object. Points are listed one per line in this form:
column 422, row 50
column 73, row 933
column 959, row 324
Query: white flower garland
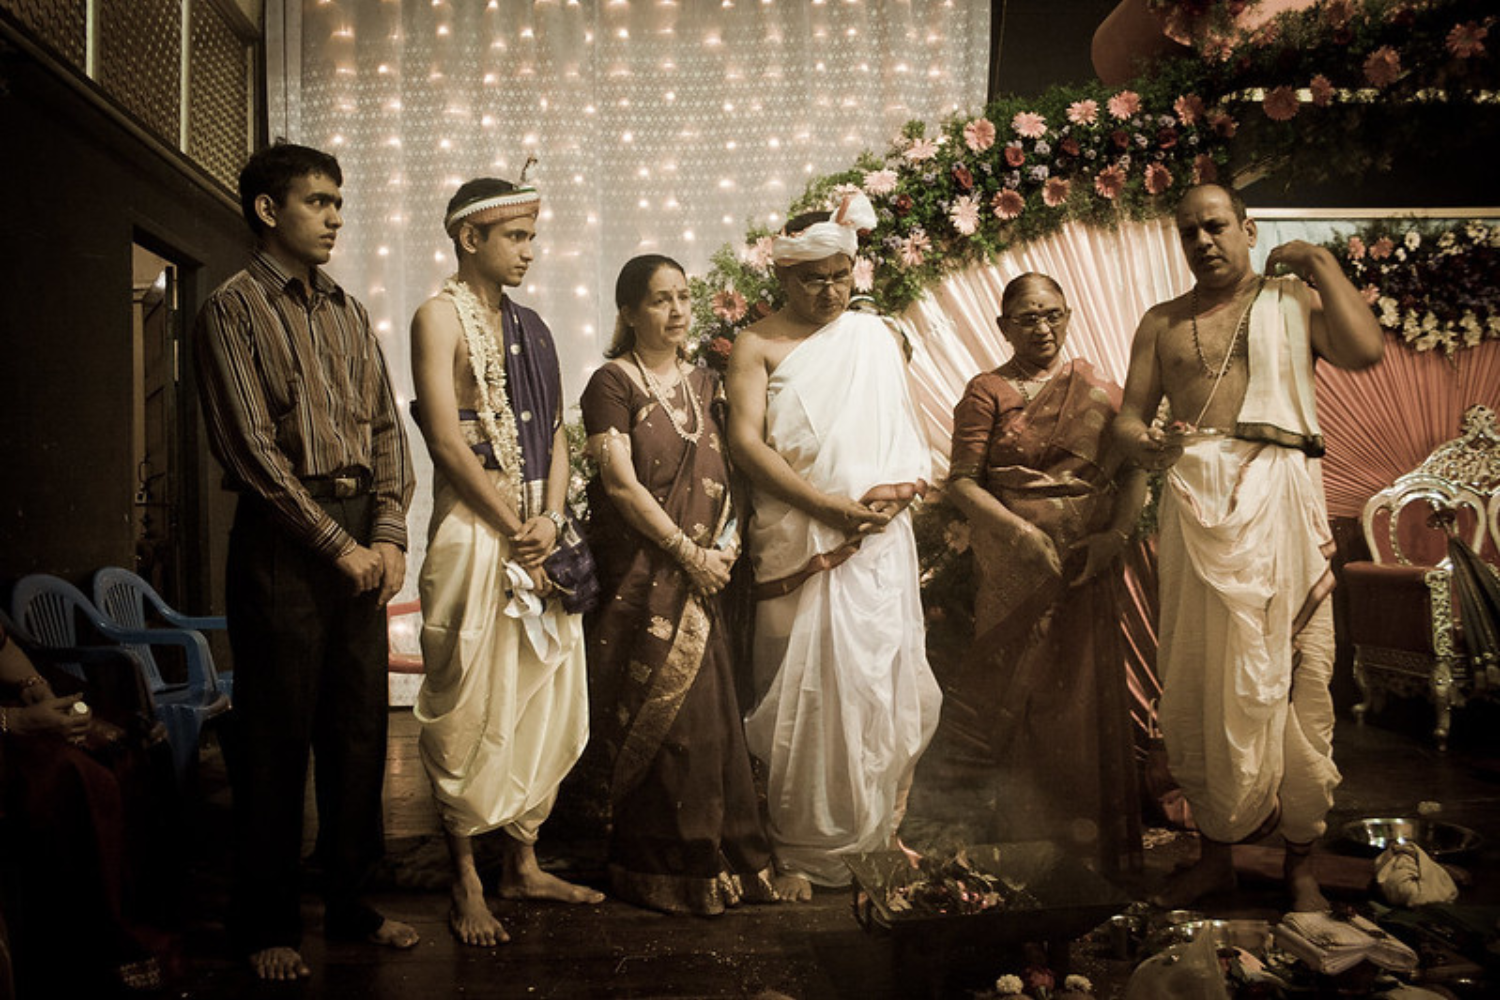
column 487, row 360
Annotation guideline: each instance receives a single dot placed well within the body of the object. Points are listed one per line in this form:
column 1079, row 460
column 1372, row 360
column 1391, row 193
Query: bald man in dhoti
column 822, row 422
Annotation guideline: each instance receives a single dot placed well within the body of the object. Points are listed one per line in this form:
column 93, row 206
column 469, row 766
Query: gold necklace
column 1241, row 328
column 1020, row 382
column 653, row 387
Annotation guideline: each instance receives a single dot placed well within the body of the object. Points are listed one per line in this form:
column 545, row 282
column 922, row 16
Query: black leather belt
column 337, row 487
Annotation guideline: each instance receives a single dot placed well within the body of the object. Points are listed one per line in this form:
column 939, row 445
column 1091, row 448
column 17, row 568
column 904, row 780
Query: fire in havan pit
column 951, row 886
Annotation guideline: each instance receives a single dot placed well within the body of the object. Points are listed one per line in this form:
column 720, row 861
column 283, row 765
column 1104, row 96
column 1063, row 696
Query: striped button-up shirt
column 294, row 386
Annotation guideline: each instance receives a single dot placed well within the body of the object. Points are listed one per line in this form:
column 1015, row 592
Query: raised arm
column 1138, row 440
column 435, row 339
column 745, row 384
column 1344, row 329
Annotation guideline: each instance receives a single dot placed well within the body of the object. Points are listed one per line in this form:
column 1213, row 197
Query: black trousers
column 310, row 663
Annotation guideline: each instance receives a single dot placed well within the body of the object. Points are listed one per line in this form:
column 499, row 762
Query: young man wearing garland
column 1246, row 633
column 504, row 704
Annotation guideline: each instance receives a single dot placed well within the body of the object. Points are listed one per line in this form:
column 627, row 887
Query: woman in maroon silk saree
column 686, row 834
column 1043, row 692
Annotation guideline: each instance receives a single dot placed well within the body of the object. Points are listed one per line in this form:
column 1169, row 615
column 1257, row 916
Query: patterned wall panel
column 219, row 98
column 62, row 25
column 140, row 63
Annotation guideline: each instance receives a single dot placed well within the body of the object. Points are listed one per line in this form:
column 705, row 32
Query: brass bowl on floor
column 1438, row 838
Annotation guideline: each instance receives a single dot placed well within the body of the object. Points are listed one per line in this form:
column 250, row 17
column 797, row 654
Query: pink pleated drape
column 1377, row 423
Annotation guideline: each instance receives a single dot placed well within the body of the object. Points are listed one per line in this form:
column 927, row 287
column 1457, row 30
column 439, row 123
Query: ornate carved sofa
column 1404, row 622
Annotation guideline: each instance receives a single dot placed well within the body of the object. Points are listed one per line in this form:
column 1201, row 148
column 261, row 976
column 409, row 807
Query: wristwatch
column 556, row 517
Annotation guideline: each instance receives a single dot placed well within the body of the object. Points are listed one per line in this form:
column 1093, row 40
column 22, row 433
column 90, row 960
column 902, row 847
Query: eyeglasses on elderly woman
column 1032, row 320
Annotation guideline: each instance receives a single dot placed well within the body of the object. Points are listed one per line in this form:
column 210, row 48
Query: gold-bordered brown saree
column 686, row 834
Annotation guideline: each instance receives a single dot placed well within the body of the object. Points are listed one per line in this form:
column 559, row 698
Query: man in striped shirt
column 301, row 416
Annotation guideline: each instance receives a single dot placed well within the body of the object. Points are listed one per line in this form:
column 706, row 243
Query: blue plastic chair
column 122, row 596
column 49, row 609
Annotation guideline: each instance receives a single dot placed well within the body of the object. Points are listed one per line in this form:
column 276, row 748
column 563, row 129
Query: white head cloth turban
column 840, row 234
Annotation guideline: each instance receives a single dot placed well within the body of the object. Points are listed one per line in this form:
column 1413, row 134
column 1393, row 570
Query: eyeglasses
column 818, row 282
column 1030, row 321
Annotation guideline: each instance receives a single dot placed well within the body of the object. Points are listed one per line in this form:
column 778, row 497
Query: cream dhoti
column 849, row 701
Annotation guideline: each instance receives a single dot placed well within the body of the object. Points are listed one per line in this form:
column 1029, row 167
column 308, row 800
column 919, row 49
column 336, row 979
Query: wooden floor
column 807, row 951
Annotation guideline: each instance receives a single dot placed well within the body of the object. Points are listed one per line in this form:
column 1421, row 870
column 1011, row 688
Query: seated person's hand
column 54, row 717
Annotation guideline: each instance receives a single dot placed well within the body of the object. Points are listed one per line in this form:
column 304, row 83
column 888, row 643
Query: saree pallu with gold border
column 1043, row 693
column 686, row 834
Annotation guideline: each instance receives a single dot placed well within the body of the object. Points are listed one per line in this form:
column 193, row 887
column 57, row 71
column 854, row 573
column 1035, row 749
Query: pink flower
column 1382, row 248
column 1467, row 39
column 721, row 346
column 1055, row 191
column 1158, row 178
column 759, row 254
column 962, row 176
column 1029, row 125
column 1371, row 294
column 914, row 248
column 878, row 182
column 1280, row 104
column 729, row 305
column 1070, row 146
column 921, row 149
column 965, row 214
column 1322, row 90
column 1383, row 66
column 1014, row 155
column 1125, row 104
column 1083, row 112
column 864, row 274
column 1356, row 248
column 1189, row 108
column 1205, row 170
column 979, row 134
column 1008, row 204
column 1223, row 125
column 1109, row 182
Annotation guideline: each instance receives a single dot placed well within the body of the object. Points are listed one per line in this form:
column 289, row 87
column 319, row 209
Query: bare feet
column 538, row 884
column 394, row 934
column 792, row 888
column 1301, row 880
column 471, row 919
column 1213, row 872
column 279, row 964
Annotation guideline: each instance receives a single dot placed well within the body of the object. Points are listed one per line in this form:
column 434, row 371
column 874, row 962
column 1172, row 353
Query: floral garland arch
column 1341, row 84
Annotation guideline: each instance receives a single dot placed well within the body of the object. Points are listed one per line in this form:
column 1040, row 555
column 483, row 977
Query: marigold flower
column 1158, row 178
column 864, row 274
column 1322, row 90
column 1008, row 204
column 1467, row 40
column 965, row 214
column 878, row 182
column 1029, row 125
column 1383, row 66
column 729, row 305
column 1189, row 108
column 1055, row 191
column 979, row 134
column 1125, row 104
column 921, row 149
column 1109, row 182
column 1280, row 105
column 1083, row 112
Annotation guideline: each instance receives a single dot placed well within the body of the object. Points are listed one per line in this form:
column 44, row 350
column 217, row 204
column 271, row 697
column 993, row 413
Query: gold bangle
column 32, row 681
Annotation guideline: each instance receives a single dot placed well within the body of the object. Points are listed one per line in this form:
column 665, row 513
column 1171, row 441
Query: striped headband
column 497, row 208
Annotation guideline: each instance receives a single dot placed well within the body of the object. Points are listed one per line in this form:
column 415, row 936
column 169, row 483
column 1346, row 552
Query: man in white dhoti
column 1246, row 635
column 504, row 704
column 822, row 422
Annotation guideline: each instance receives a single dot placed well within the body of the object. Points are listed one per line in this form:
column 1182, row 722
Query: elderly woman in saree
column 686, row 835
column 1043, row 692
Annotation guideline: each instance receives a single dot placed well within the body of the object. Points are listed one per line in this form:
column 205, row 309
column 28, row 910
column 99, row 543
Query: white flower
column 1078, row 984
column 879, row 182
column 1413, row 239
column 1389, row 315
column 1008, row 984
